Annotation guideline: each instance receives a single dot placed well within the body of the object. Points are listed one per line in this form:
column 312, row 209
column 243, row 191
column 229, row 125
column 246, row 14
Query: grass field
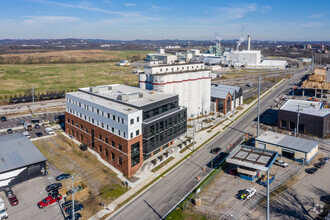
column 71, row 56
column 15, row 79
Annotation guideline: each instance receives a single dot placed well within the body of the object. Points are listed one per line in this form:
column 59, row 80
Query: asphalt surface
column 12, row 123
column 157, row 201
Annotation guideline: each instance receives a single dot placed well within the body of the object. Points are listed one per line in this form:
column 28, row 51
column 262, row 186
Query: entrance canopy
column 252, row 157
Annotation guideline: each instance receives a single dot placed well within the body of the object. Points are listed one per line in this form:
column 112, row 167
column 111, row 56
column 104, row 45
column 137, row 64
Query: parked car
column 48, row 201
column 53, row 192
column 56, row 118
column 249, row 84
column 26, row 134
column 49, row 131
column 21, row 122
column 9, row 130
column 76, row 216
column 311, row 170
column 77, row 208
column 215, row 150
column 62, row 176
column 35, row 121
column 246, row 194
column 74, row 190
column 280, row 163
column 36, row 126
column 233, row 171
column 325, row 199
column 54, row 186
column 68, row 203
column 319, row 165
column 3, row 118
column 11, row 197
column 39, row 134
column 324, row 159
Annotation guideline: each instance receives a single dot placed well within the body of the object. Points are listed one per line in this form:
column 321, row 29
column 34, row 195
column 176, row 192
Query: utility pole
column 194, row 135
column 258, row 106
column 72, row 199
column 267, row 214
column 234, row 106
column 297, row 129
column 32, row 100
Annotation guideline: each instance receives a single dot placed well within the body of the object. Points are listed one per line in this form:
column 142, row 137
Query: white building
column 191, row 81
column 161, row 57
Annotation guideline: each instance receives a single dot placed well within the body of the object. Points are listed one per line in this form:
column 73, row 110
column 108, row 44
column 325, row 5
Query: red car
column 11, row 197
column 48, row 201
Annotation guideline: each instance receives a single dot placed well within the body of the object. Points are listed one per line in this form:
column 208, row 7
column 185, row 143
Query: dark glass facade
column 162, row 122
column 135, row 154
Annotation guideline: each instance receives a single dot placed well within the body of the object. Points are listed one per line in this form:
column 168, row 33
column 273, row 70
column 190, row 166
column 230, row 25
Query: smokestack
column 249, row 42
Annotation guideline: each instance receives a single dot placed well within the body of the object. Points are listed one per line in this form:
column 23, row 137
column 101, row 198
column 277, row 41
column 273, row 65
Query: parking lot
column 12, row 123
column 31, row 192
column 219, row 199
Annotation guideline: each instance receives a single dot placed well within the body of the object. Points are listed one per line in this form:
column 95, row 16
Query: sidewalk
column 146, row 176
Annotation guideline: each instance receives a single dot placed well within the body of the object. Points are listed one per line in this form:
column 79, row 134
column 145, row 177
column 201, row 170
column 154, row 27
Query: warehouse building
column 221, row 102
column 314, row 117
column 20, row 160
column 294, row 148
column 191, row 81
column 124, row 124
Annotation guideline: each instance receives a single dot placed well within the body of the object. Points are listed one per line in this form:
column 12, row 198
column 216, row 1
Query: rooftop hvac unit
column 129, row 97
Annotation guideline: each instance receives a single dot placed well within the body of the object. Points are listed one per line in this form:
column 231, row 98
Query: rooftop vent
column 129, row 97
column 98, row 89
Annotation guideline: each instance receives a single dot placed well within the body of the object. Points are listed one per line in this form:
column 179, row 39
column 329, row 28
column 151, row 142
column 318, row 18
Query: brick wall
column 103, row 143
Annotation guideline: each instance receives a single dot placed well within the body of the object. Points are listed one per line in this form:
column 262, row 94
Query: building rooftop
column 120, row 96
column 227, row 87
column 252, row 157
column 17, row 151
column 217, row 93
column 291, row 142
column 306, row 107
column 175, row 64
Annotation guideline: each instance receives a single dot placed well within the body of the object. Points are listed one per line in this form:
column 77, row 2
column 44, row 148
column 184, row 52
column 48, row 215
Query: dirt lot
column 103, row 184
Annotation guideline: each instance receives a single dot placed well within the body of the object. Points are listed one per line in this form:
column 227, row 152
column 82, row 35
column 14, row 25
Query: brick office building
column 124, row 124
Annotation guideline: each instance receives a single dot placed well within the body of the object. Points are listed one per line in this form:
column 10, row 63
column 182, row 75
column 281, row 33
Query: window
column 81, row 137
column 80, row 115
column 131, row 134
column 120, row 161
column 102, row 113
column 137, row 132
column 113, row 117
column 102, row 125
column 81, row 127
column 108, row 127
column 106, row 152
column 113, row 156
column 166, row 69
column 77, row 125
column 108, row 115
column 97, row 111
column 113, row 130
column 283, row 124
column 292, row 125
column 86, row 130
column 113, row 143
column 120, row 147
column 135, row 154
column 132, row 121
column 124, row 134
column 85, row 117
column 119, row 132
column 137, row 119
column 107, row 140
column 100, row 149
column 122, row 121
column 100, row 136
column 68, row 120
column 118, row 119
column 161, row 70
column 92, row 109
column 93, row 120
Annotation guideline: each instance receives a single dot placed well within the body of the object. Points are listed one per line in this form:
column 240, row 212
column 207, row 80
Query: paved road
column 156, row 202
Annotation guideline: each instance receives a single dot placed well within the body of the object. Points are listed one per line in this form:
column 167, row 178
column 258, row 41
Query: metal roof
column 221, row 94
column 17, row 151
column 252, row 157
column 306, row 107
column 286, row 141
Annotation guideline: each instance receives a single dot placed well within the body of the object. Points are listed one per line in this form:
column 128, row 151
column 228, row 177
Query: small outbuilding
column 294, row 148
column 20, row 160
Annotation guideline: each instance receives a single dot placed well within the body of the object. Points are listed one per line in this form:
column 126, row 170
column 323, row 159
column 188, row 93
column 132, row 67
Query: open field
column 16, row 79
column 104, row 186
column 71, row 56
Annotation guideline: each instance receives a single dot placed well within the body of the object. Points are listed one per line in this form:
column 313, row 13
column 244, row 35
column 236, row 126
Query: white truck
column 3, row 210
column 27, row 126
column 49, row 131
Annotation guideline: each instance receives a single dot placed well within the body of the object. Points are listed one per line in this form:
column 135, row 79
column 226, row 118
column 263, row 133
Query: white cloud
column 87, row 6
column 155, row 7
column 312, row 24
column 265, row 9
column 49, row 19
column 317, row 15
column 236, row 12
column 129, row 4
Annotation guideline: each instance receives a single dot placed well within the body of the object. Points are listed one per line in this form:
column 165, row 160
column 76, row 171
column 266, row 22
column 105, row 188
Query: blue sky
column 165, row 19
